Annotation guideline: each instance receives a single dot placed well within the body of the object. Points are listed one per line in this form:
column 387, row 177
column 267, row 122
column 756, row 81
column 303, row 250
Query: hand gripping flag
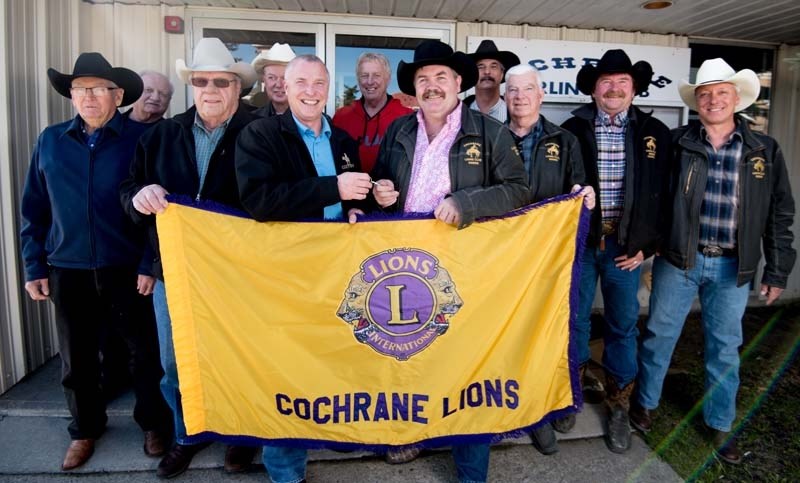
column 382, row 333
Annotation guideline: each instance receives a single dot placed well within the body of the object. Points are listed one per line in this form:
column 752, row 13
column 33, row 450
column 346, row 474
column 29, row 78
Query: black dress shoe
column 640, row 418
column 178, row 459
column 725, row 447
column 239, row 458
column 544, row 440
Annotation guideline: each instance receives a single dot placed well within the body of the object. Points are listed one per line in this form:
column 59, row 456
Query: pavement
column 33, row 439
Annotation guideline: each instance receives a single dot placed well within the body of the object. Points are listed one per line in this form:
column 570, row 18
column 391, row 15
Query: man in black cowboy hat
column 437, row 161
column 82, row 252
column 625, row 155
column 492, row 65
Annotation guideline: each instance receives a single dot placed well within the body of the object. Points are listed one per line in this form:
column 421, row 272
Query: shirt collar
column 307, row 131
column 604, row 119
column 737, row 133
column 198, row 122
column 454, row 116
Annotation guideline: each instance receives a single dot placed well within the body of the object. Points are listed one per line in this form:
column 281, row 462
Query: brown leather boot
column 640, row 417
column 618, row 434
column 78, row 453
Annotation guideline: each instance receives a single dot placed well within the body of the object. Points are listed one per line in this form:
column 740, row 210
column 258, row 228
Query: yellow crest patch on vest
column 473, row 153
column 759, row 170
column 553, row 152
column 650, row 147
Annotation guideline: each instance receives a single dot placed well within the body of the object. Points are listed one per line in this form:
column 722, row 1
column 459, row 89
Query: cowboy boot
column 618, row 434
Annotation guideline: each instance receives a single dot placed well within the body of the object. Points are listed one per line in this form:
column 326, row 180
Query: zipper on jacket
column 689, row 178
column 90, row 206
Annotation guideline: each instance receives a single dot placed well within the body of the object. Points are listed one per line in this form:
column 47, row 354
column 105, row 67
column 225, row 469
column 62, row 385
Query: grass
column 768, row 403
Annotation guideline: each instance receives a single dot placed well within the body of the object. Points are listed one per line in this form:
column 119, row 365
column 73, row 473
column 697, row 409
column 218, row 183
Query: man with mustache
column 625, row 156
column 492, row 65
column 450, row 161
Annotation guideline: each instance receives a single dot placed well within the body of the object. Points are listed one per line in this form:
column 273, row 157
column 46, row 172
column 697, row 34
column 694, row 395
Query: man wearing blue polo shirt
column 295, row 166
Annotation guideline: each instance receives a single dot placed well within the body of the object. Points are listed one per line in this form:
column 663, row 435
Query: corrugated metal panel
column 784, row 126
column 775, row 21
column 37, row 36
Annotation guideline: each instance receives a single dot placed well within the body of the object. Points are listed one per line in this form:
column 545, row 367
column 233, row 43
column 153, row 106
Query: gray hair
column 374, row 57
column 522, row 69
column 310, row 58
column 158, row 74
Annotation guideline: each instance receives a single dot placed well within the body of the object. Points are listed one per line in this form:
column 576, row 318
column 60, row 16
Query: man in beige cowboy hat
column 731, row 200
column 190, row 154
column 82, row 253
column 270, row 66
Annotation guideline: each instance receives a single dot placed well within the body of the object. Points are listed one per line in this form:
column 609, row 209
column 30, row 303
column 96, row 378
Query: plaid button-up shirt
column 718, row 213
column 610, row 135
column 205, row 142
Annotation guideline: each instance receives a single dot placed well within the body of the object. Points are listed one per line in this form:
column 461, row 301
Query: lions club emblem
column 399, row 302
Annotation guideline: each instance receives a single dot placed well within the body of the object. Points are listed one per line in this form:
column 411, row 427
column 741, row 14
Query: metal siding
column 784, row 126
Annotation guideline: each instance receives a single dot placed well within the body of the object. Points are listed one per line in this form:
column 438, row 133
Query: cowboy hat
column 93, row 64
column 435, row 52
column 278, row 54
column 615, row 61
column 488, row 50
column 716, row 71
column 211, row 55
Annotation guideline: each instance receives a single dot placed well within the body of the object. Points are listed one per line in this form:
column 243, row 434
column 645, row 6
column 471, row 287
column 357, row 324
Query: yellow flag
column 391, row 332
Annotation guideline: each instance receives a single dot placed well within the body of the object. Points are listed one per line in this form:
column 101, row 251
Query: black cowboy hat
column 92, row 64
column 434, row 52
column 615, row 61
column 488, row 50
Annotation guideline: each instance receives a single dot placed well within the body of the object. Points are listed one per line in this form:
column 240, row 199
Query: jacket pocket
column 690, row 177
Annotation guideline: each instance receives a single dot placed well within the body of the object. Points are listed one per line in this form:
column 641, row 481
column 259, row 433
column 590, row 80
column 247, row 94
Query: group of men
column 701, row 199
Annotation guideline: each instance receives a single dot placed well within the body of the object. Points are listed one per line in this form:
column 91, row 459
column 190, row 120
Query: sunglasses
column 218, row 82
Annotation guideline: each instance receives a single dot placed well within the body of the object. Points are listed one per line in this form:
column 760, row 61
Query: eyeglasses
column 97, row 91
column 218, row 82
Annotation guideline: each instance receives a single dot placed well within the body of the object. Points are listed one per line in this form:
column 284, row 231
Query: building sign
column 559, row 61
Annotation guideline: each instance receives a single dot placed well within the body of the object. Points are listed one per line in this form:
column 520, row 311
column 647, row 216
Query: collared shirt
column 526, row 143
column 610, row 134
column 718, row 211
column 498, row 111
column 319, row 147
column 93, row 139
column 205, row 142
column 430, row 173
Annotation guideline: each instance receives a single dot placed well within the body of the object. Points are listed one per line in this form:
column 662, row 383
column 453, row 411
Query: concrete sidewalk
column 33, row 439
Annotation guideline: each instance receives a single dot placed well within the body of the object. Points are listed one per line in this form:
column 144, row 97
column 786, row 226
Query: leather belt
column 716, row 251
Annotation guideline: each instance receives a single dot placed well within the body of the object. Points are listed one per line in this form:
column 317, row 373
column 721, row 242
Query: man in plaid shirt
column 732, row 196
column 625, row 155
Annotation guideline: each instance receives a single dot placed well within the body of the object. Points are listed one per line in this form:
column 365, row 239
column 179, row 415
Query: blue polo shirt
column 319, row 147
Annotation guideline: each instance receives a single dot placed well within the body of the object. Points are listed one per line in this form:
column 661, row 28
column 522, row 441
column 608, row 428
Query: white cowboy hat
column 211, row 55
column 716, row 71
column 278, row 54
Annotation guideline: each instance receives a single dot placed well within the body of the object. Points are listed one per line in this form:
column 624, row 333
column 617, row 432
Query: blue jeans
column 169, row 383
column 288, row 465
column 722, row 304
column 621, row 310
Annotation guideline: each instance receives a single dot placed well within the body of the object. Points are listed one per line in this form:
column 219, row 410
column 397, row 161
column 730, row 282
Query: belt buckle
column 712, row 251
column 609, row 227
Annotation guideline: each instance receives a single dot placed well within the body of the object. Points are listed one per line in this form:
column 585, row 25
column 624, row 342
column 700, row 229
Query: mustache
column 614, row 94
column 431, row 92
column 488, row 77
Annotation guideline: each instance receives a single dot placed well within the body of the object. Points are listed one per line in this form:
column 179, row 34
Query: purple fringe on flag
column 484, row 438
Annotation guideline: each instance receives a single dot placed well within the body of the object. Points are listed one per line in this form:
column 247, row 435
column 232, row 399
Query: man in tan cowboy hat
column 492, row 65
column 82, row 253
column 731, row 198
column 270, row 66
column 420, row 170
column 626, row 158
column 190, row 154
